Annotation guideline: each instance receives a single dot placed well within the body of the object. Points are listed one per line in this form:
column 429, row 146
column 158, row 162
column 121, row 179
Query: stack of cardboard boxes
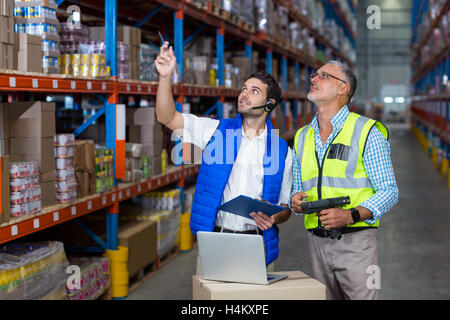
column 38, row 17
column 126, row 37
column 6, row 34
column 146, row 130
column 32, row 132
column 26, row 134
column 132, row 37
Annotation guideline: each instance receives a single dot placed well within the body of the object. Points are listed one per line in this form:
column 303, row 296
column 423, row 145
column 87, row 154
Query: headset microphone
column 263, row 106
column 269, row 106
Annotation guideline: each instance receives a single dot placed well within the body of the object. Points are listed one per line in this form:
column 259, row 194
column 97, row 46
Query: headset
column 269, row 106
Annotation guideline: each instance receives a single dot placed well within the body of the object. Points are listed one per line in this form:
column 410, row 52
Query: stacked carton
column 146, row 130
column 27, row 52
column 84, row 164
column 31, row 134
column 6, row 34
column 128, row 49
column 38, row 17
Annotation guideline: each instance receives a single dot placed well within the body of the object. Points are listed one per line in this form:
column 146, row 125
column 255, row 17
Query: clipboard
column 243, row 206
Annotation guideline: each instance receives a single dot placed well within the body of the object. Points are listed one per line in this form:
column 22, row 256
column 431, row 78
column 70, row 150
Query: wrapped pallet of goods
column 95, row 278
column 33, row 271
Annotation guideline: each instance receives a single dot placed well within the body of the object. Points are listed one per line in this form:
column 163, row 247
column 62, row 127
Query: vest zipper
column 319, row 182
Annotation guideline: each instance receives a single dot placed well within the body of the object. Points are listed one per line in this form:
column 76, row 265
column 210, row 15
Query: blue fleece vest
column 215, row 171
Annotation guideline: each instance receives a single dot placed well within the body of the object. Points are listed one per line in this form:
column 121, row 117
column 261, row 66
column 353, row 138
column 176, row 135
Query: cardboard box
column 23, row 40
column 85, row 183
column 32, row 146
column 84, row 155
column 6, row 56
column 48, row 194
column 46, row 160
column 153, row 149
column 27, row 52
column 298, row 286
column 4, row 189
column 156, row 166
column 129, row 35
column 4, row 121
column 7, row 30
column 7, row 8
column 145, row 133
column 4, row 147
column 141, row 239
column 29, row 125
column 30, row 149
column 144, row 116
column 47, row 176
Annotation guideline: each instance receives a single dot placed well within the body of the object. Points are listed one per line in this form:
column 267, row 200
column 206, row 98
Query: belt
column 320, row 232
column 222, row 229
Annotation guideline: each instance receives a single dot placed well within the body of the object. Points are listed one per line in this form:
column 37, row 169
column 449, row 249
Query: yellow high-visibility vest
column 342, row 171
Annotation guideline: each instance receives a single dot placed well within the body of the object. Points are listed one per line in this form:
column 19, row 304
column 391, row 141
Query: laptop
column 234, row 257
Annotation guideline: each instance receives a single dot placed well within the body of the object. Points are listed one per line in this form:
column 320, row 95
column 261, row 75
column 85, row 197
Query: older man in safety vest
column 342, row 154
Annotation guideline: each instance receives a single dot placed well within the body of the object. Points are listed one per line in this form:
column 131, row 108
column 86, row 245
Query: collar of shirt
column 259, row 137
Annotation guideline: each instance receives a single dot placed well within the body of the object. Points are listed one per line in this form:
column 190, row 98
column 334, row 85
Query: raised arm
column 165, row 106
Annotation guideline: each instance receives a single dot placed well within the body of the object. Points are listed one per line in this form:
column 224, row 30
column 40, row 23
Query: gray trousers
column 346, row 266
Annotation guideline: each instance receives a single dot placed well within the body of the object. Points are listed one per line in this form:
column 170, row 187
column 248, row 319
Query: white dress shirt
column 247, row 174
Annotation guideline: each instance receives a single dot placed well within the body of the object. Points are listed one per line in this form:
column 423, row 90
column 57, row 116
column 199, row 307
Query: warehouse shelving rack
column 430, row 109
column 113, row 11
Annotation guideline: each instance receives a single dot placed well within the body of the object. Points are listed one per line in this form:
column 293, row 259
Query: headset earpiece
column 269, row 106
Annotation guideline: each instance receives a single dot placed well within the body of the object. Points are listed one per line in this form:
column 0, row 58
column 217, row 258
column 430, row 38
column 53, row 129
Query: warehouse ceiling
column 384, row 54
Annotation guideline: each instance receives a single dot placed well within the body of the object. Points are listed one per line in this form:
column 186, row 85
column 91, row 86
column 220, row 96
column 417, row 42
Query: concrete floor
column 414, row 237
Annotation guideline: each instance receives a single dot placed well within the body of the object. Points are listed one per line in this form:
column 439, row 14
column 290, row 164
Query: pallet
column 150, row 270
column 161, row 261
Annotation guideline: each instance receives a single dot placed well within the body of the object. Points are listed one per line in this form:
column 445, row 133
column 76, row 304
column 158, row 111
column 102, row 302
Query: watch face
column 355, row 215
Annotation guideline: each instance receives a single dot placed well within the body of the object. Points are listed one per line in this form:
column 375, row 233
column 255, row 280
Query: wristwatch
column 355, row 215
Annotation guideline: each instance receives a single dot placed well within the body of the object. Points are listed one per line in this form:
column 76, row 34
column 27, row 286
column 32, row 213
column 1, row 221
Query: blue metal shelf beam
column 149, row 16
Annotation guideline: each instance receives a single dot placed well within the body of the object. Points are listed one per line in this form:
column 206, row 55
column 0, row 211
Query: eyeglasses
column 324, row 75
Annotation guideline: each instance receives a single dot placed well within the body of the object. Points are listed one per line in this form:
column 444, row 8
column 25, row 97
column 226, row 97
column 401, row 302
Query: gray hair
column 350, row 76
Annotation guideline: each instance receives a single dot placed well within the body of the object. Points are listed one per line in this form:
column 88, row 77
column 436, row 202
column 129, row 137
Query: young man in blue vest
column 343, row 154
column 241, row 156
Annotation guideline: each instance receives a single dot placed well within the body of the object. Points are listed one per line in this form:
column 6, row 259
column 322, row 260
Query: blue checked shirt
column 377, row 163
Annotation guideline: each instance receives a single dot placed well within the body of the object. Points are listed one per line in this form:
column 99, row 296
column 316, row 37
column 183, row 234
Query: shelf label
column 120, row 195
column 104, row 200
column 149, row 88
column 113, row 197
column 73, row 210
column 73, row 85
column 55, row 216
column 55, row 84
column 36, row 223
column 12, row 82
column 139, row 188
column 149, row 185
column 89, row 85
column 159, row 181
column 139, row 88
column 14, row 231
column 128, row 192
column 128, row 87
column 167, row 179
column 103, row 86
column 89, row 204
column 35, row 83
